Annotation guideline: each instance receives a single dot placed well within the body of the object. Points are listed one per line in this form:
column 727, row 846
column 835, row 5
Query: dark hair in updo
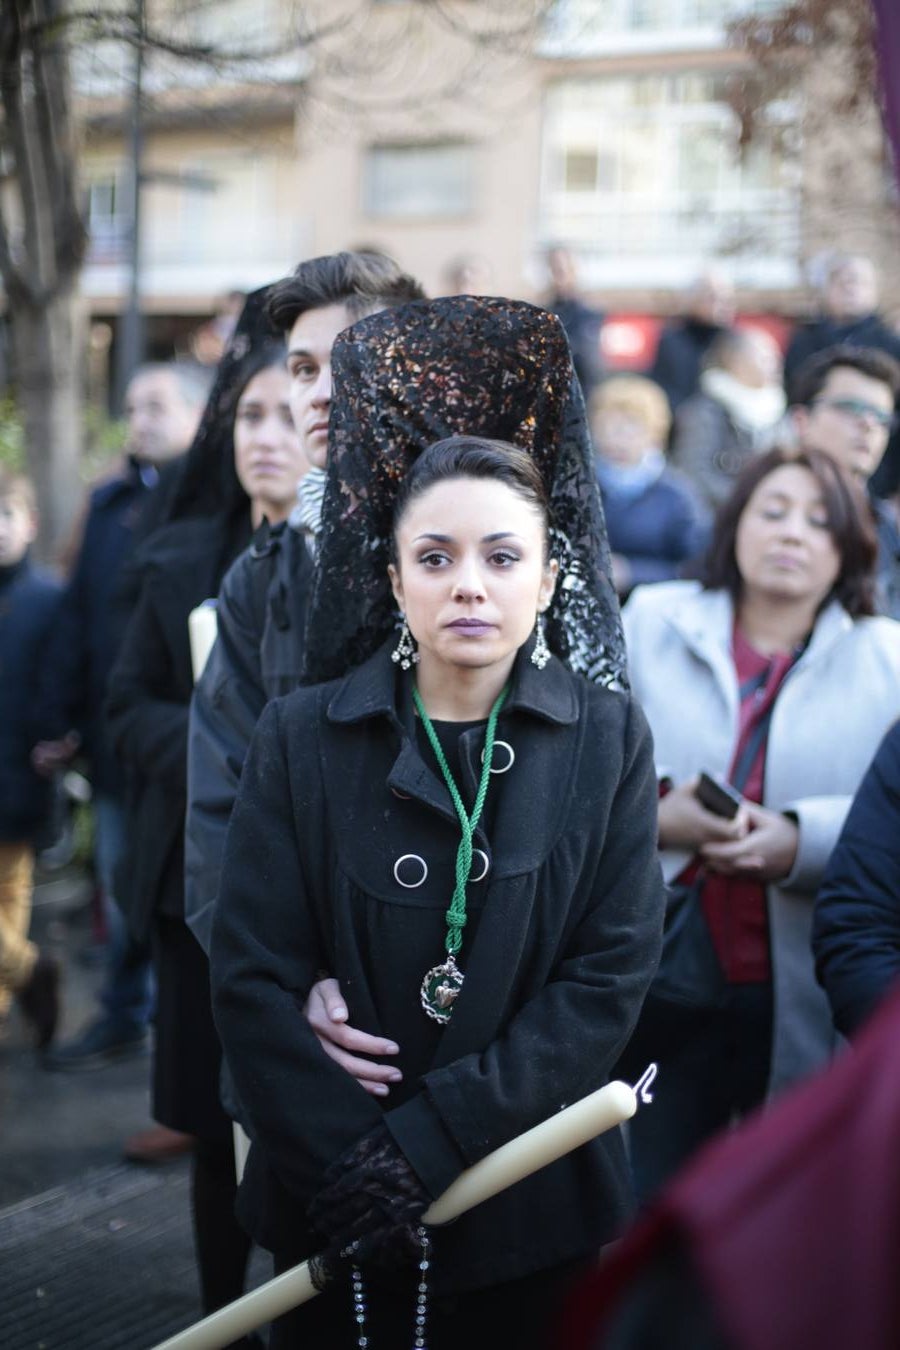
column 473, row 457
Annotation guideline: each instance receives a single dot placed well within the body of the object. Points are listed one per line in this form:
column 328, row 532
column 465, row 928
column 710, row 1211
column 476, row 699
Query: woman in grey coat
column 776, row 650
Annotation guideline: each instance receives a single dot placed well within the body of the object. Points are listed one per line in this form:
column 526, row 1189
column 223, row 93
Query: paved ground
column 54, row 1126
column 95, row 1253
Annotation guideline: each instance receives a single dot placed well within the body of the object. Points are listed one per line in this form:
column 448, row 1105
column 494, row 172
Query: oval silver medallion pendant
column 440, row 990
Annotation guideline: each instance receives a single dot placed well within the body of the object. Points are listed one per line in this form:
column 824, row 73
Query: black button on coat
column 567, row 939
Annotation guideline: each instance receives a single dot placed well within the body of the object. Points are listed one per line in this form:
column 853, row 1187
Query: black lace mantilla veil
column 410, row 376
column 208, row 481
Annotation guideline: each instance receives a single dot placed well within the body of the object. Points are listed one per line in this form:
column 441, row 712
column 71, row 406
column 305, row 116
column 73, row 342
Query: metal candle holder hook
column 643, row 1085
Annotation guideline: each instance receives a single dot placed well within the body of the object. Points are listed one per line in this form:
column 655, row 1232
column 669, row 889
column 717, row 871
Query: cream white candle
column 570, row 1128
column 202, row 628
column 575, row 1125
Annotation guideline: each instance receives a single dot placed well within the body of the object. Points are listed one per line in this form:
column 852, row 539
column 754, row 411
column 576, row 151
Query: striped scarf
column 307, row 514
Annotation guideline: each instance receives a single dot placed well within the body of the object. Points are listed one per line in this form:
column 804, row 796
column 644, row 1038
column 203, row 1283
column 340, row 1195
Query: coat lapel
column 704, row 621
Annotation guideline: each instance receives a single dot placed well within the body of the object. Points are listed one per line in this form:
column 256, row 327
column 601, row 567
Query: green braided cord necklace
column 441, row 986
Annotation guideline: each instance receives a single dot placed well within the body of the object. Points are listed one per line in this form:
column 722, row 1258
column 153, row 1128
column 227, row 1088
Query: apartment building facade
column 609, row 131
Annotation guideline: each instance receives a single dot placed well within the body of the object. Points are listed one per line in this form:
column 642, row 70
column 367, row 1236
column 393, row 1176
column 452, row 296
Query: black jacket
column 679, row 358
column 812, row 338
column 29, row 608
column 583, row 326
column 258, row 656
column 147, row 710
column 856, row 923
column 566, row 938
column 94, row 612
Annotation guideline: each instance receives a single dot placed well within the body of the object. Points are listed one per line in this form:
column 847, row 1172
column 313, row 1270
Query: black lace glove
column 371, row 1197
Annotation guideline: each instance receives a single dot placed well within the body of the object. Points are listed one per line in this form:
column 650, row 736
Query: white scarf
column 755, row 410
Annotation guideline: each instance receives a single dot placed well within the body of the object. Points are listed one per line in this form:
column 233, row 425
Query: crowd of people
column 423, row 849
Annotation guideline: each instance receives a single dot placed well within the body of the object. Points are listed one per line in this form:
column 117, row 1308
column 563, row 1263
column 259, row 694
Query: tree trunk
column 47, row 353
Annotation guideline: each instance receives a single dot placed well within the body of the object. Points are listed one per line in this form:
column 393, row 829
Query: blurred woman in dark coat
column 244, row 465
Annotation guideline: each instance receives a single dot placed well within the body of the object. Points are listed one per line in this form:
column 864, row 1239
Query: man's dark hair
column 812, row 375
column 849, row 524
column 364, row 281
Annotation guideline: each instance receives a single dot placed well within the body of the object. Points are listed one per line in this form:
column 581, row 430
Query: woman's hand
column 370, row 1203
column 327, row 1014
column 767, row 852
column 685, row 824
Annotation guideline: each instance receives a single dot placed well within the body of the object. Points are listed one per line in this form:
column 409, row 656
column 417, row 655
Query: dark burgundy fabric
column 735, row 907
column 791, row 1222
column 887, row 37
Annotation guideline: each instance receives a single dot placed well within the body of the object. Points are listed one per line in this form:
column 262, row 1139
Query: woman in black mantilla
column 460, row 763
column 244, row 463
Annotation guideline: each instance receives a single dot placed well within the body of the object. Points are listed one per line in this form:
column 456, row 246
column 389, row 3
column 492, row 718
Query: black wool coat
column 569, row 917
column 147, row 705
column 29, row 608
column 257, row 656
column 856, row 921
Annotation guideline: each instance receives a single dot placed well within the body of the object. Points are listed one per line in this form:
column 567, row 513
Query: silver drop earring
column 540, row 654
column 405, row 652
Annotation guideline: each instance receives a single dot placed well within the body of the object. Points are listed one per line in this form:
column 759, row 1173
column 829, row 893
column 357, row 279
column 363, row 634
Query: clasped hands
column 371, row 1200
column 758, row 843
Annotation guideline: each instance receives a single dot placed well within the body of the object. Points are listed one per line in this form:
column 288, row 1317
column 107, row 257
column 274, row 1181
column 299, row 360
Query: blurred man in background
column 844, row 403
column 683, row 344
column 581, row 321
column 849, row 316
column 162, row 407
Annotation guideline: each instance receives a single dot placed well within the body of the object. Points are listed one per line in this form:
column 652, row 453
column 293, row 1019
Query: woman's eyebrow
column 448, row 538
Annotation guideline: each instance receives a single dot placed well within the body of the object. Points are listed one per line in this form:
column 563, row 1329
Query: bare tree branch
column 782, row 43
column 25, row 146
column 56, row 126
column 501, row 35
column 18, row 287
column 97, row 25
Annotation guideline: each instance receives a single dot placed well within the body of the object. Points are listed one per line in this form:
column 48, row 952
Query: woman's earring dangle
column 405, row 652
column 540, row 653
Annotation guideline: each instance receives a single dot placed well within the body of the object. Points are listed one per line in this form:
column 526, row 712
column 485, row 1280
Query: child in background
column 29, row 598
column 655, row 520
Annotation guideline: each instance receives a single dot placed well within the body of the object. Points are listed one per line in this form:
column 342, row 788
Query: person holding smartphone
column 769, row 673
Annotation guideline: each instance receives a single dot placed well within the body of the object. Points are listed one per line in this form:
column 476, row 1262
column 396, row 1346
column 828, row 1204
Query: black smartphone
column 720, row 798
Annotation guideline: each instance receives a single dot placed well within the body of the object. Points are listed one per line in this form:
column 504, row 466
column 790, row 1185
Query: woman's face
column 620, row 436
column 267, row 453
column 471, row 573
column 783, row 546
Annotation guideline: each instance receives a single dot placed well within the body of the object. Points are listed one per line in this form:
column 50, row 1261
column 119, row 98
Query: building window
column 645, row 168
column 580, row 170
column 579, row 27
column 109, row 215
column 419, row 180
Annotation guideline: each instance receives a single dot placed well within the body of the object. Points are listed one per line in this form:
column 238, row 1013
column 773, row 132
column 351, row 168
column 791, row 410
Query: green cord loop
column 456, row 914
